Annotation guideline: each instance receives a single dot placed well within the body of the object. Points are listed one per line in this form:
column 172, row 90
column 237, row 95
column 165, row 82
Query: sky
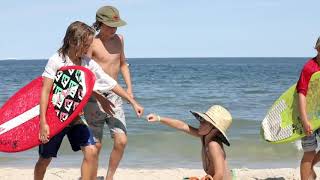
column 34, row 29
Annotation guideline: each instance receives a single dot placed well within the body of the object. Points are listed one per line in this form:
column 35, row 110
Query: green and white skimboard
column 282, row 123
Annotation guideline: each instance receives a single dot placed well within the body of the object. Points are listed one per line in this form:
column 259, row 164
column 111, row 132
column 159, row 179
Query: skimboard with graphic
column 282, row 123
column 19, row 116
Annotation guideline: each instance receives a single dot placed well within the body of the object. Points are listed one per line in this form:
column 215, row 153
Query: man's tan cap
column 109, row 16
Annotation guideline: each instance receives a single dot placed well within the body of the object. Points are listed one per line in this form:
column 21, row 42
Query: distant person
column 76, row 43
column 212, row 133
column 107, row 50
column 309, row 142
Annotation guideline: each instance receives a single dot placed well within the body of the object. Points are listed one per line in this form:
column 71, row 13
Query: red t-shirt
column 308, row 69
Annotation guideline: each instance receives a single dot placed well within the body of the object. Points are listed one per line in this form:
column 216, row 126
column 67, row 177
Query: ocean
column 172, row 87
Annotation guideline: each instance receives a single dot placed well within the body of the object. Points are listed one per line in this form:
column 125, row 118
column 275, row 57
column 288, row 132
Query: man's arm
column 44, row 99
column 302, row 103
column 122, row 93
column 125, row 69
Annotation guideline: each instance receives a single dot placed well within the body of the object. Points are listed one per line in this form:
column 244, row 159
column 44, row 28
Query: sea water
column 172, row 87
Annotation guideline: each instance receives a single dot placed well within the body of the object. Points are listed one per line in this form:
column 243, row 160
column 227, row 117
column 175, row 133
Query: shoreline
column 153, row 174
column 162, row 153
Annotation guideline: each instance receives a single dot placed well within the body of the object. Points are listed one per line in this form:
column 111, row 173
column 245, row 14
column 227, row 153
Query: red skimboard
column 19, row 116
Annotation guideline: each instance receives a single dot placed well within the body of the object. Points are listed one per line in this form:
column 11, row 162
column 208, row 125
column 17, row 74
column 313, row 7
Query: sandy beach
column 153, row 174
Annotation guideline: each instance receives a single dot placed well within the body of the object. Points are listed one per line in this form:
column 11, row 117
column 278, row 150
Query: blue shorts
column 79, row 136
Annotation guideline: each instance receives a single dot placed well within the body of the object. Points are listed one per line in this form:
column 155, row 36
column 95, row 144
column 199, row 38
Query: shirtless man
column 107, row 50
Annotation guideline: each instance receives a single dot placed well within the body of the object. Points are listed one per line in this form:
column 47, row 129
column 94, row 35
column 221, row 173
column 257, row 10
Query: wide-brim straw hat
column 219, row 117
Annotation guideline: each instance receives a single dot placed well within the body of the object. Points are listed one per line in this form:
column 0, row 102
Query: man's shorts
column 96, row 117
column 79, row 136
column 309, row 143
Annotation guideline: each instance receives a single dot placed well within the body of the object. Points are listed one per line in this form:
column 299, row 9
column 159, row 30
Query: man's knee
column 308, row 156
column 120, row 141
column 43, row 162
column 90, row 153
column 98, row 145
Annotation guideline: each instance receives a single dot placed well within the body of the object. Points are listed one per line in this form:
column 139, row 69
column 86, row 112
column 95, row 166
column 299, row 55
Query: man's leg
column 316, row 159
column 96, row 120
column 46, row 152
column 89, row 165
column 118, row 130
column 41, row 167
column 306, row 165
column 81, row 137
column 98, row 147
column 309, row 145
column 120, row 142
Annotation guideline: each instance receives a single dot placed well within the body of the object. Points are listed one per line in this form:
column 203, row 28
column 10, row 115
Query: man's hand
column 44, row 133
column 307, row 128
column 106, row 105
column 138, row 109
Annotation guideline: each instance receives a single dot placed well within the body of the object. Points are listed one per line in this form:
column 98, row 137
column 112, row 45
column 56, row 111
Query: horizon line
column 217, row 57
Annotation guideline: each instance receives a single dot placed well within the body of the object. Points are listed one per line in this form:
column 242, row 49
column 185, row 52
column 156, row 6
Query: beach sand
column 152, row 174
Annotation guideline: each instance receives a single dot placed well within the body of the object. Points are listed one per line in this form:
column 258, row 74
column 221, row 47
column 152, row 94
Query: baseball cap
column 109, row 16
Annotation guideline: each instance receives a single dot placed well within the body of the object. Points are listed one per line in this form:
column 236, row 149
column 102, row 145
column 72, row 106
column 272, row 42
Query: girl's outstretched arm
column 174, row 123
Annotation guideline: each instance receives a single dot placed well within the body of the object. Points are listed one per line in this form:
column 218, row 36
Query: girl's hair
column 97, row 25
column 76, row 36
column 219, row 137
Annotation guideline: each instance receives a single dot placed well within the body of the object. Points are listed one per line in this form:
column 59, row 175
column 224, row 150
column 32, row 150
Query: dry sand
column 152, row 174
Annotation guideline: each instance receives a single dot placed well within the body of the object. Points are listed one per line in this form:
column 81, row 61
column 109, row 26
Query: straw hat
column 219, row 117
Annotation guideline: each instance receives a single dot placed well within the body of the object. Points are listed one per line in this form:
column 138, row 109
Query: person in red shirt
column 309, row 142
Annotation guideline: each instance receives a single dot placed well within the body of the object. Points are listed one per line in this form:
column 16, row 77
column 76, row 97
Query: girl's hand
column 152, row 117
column 44, row 133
